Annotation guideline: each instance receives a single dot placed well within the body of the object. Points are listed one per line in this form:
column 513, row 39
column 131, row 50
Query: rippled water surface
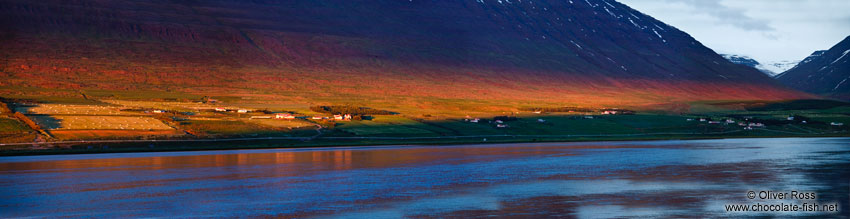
column 604, row 179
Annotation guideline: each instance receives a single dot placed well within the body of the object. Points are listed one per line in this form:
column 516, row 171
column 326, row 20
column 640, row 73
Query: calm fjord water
column 603, row 179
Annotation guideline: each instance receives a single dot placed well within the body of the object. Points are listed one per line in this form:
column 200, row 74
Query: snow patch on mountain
column 842, row 56
column 778, row 67
column 770, row 68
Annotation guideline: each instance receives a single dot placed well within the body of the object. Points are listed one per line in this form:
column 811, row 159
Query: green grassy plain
column 192, row 119
column 8, row 125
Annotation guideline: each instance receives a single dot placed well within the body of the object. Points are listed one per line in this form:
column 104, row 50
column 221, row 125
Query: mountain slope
column 493, row 54
column 824, row 72
column 747, row 61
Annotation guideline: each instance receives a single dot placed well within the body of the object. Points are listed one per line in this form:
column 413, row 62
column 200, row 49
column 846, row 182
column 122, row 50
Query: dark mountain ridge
column 824, row 72
column 569, row 48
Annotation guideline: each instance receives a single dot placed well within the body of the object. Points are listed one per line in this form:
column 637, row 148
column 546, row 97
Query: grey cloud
column 726, row 15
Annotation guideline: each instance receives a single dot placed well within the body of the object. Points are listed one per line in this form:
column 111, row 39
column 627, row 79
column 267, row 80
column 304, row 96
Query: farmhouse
column 220, row 109
column 242, row 111
column 758, row 124
column 501, row 126
column 616, row 111
column 318, row 117
column 338, row 117
column 347, row 117
column 836, row 123
column 158, row 111
column 284, row 116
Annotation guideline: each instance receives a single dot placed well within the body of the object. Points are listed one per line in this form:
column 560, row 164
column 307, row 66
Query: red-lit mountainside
column 489, row 53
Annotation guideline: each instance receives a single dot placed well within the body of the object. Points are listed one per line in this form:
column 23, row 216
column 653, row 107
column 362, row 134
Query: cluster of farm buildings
column 344, row 117
column 750, row 125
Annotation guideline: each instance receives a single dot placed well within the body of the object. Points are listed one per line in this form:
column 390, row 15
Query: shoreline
column 227, row 144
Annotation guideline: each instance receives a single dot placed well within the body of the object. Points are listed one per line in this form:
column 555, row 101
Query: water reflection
column 607, row 179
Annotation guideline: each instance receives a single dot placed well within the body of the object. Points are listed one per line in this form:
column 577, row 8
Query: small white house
column 499, row 121
column 338, row 117
column 284, row 116
column 475, row 120
column 836, row 123
column 220, row 109
column 501, row 126
column 541, row 120
column 790, row 118
column 242, row 111
column 158, row 111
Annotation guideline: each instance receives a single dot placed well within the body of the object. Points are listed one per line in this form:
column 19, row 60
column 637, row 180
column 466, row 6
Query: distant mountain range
column 770, row 68
column 425, row 54
column 824, row 72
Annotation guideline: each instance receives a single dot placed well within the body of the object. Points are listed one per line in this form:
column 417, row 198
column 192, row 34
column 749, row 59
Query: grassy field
column 100, row 122
column 67, row 109
column 12, row 130
column 531, row 125
column 229, row 128
column 162, row 105
column 8, row 125
column 280, row 123
column 113, row 134
column 115, row 118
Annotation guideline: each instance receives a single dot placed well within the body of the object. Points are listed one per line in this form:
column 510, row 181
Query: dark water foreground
column 605, row 179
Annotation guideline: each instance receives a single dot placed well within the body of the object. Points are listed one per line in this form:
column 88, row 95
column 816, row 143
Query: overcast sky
column 766, row 30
